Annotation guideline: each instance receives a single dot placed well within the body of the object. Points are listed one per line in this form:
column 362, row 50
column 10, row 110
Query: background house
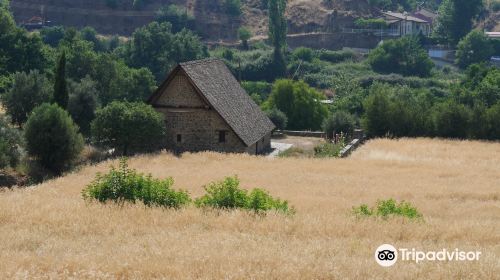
column 402, row 24
column 205, row 108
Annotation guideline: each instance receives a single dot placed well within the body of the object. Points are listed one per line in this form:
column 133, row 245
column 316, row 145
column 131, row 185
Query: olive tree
column 128, row 128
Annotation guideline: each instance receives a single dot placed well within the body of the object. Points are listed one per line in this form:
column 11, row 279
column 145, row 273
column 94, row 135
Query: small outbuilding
column 206, row 109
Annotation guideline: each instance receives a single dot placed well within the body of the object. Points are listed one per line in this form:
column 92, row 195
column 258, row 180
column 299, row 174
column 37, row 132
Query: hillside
column 48, row 230
column 211, row 19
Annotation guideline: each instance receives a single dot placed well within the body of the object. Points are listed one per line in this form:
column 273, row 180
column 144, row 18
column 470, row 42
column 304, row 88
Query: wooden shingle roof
column 213, row 80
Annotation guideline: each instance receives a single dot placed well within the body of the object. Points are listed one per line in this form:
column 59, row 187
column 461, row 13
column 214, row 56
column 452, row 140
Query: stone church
column 206, row 109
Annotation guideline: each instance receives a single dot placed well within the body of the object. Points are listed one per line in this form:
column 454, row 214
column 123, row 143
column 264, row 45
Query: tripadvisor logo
column 387, row 255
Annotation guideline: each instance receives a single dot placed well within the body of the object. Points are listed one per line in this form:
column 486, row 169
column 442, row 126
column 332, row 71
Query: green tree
column 60, row 87
column 277, row 34
column 278, row 118
column 339, row 122
column 81, row 58
column 300, row 103
column 474, row 48
column 19, row 50
column 128, row 128
column 90, row 34
column 244, row 35
column 27, row 92
column 83, row 103
column 349, row 94
column 304, row 54
column 52, row 137
column 488, row 90
column 475, row 73
column 116, row 81
column 155, row 47
column 451, row 120
column 403, row 56
column 455, row 19
column 376, row 119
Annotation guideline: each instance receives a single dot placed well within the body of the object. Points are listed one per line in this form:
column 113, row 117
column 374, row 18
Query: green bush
column 377, row 23
column 395, row 79
column 127, row 185
column 328, row 150
column 336, row 56
column 254, row 65
column 52, row 137
column 388, row 208
column 228, row 195
column 302, row 53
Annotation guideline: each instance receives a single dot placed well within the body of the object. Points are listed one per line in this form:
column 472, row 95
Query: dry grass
column 49, row 232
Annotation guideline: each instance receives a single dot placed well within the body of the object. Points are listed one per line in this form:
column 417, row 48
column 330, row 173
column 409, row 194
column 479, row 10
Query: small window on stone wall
column 179, row 138
column 222, row 136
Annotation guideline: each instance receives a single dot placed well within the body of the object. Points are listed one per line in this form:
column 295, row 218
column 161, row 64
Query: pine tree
column 456, row 19
column 61, row 95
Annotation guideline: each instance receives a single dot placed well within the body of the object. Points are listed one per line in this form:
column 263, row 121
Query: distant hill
column 212, row 20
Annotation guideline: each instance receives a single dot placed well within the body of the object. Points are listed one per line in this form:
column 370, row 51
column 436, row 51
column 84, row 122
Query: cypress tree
column 277, row 34
column 61, row 95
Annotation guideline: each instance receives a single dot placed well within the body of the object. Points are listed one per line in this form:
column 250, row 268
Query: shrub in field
column 127, row 185
column 52, row 138
column 388, row 208
column 327, row 150
column 227, row 195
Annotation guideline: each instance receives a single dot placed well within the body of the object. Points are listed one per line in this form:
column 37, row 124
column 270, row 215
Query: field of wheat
column 48, row 231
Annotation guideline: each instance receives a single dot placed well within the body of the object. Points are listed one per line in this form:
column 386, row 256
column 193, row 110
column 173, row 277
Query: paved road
column 278, row 148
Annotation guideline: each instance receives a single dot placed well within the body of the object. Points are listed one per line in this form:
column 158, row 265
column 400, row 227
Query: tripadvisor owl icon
column 386, row 255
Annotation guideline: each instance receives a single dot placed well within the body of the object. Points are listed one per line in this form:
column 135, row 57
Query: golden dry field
column 49, row 232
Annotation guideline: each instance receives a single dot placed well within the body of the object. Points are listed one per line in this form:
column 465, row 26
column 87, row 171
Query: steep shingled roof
column 213, row 80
